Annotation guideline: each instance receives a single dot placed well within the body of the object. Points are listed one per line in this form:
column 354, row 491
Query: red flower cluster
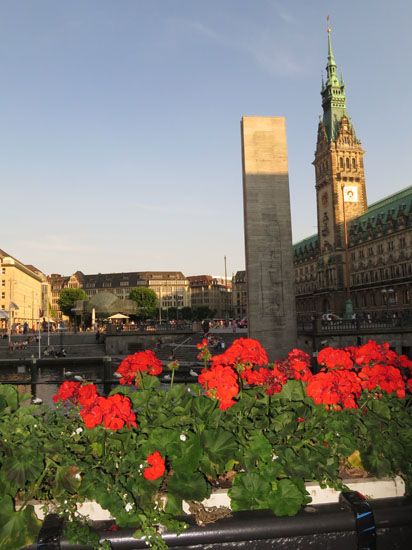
column 244, row 352
column 68, row 391
column 386, row 378
column 113, row 412
column 332, row 359
column 373, row 354
column 335, row 388
column 204, row 354
column 373, row 367
column 272, row 380
column 156, row 466
column 142, row 361
column 220, row 383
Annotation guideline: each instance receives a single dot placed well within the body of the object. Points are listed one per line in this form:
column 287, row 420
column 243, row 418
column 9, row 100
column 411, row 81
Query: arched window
column 347, row 163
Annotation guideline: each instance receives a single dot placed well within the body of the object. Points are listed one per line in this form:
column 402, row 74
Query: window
column 3, row 282
column 402, row 242
column 347, row 163
column 380, row 248
column 390, row 245
column 3, row 295
column 354, row 164
column 3, row 270
column 341, row 162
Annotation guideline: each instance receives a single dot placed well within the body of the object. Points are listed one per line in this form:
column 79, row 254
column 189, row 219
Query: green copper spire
column 333, row 94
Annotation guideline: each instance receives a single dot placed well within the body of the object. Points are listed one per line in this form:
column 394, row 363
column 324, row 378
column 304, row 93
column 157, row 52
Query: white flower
column 34, row 425
column 183, row 437
column 77, row 476
column 274, row 457
column 128, row 507
column 193, row 373
column 37, row 401
column 79, row 431
column 141, row 466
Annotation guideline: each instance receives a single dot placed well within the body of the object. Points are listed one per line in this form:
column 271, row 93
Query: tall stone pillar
column 268, row 235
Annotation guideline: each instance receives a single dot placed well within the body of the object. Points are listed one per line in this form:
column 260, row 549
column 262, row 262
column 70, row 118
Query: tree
column 146, row 302
column 68, row 297
column 203, row 312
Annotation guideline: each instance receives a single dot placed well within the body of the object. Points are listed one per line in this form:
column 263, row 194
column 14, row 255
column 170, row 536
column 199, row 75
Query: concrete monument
column 268, row 235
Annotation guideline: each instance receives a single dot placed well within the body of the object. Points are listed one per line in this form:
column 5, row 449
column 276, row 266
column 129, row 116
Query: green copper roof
column 333, row 96
column 383, row 212
column 306, row 246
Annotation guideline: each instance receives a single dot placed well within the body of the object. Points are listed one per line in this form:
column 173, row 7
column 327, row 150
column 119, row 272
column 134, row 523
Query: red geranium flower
column 373, row 353
column 87, row 395
column 244, row 352
column 92, row 416
column 405, row 363
column 335, row 388
column 220, row 383
column 67, row 391
column 332, row 358
column 117, row 412
column 385, row 378
column 157, row 466
column 142, row 361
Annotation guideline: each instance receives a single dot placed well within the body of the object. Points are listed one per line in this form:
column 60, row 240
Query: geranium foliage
column 142, row 450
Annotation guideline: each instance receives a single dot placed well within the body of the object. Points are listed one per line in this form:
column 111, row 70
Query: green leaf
column 380, row 408
column 17, row 529
column 287, row 499
column 258, row 450
column 189, row 457
column 281, row 421
column 173, row 504
column 9, row 396
column 219, row 445
column 293, row 390
column 189, row 486
column 202, row 407
column 149, row 382
column 97, row 449
column 249, row 492
column 26, row 466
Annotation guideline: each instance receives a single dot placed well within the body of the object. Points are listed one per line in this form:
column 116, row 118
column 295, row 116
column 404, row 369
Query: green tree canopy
column 146, row 301
column 68, row 297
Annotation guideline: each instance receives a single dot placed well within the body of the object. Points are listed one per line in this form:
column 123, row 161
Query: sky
column 120, row 121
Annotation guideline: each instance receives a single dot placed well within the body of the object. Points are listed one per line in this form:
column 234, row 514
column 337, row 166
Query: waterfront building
column 24, row 293
column 211, row 292
column 171, row 287
column 239, row 295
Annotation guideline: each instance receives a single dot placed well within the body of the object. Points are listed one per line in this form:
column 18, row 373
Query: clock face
column 324, row 199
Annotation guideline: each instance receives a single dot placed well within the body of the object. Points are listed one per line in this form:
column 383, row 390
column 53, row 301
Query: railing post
column 107, row 385
column 34, row 376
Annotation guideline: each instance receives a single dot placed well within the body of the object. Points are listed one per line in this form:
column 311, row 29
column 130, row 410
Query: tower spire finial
column 330, row 50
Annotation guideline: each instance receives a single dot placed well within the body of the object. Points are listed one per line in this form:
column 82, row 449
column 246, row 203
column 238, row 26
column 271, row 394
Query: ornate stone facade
column 361, row 256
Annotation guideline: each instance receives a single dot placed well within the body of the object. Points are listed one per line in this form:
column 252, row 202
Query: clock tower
column 340, row 177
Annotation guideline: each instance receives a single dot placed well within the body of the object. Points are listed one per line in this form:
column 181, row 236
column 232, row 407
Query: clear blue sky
column 119, row 132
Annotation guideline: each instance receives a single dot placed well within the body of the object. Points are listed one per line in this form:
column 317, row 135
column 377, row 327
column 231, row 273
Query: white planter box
column 370, row 487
